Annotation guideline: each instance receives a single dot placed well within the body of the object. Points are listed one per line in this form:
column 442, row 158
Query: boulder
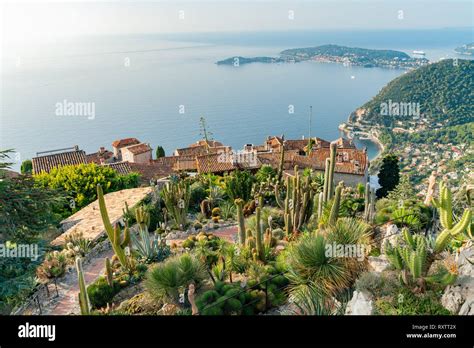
column 390, row 234
column 458, row 298
column 378, row 263
column 360, row 304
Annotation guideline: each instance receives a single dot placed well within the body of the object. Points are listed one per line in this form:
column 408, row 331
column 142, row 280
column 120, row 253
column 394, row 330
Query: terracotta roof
column 200, row 150
column 213, row 164
column 48, row 162
column 345, row 143
column 210, row 143
column 9, row 174
column 125, row 142
column 122, row 168
column 96, row 156
column 185, row 163
column 151, row 170
column 138, row 149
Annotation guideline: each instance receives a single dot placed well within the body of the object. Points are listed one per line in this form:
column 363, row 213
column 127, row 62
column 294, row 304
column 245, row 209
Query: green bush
column 80, row 182
column 404, row 302
column 100, row 292
column 198, row 194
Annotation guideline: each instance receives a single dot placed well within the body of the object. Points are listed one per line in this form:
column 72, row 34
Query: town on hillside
column 209, row 156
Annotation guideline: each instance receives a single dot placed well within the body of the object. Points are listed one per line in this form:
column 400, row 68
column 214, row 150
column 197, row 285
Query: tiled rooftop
column 48, row 162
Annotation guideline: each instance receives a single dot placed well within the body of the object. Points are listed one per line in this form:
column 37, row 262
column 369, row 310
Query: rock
column 468, row 306
column 360, row 304
column 378, row 263
column 391, row 235
column 459, row 297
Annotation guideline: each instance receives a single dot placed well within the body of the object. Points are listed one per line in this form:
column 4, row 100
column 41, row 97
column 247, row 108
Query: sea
column 157, row 87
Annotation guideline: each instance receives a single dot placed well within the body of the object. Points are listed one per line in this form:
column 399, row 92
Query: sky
column 33, row 21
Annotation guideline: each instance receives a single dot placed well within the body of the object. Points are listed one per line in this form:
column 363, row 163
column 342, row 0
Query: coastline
column 371, row 137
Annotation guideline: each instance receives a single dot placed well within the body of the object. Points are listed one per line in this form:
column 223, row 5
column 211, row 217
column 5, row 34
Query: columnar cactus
column 239, row 203
column 176, row 197
column 83, row 296
column 258, row 234
column 142, row 217
column 297, row 203
column 114, row 233
column 109, row 272
column 444, row 205
column 334, row 214
column 282, row 161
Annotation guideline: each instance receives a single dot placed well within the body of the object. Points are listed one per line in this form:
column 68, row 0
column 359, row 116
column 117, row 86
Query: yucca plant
column 167, row 279
column 312, row 274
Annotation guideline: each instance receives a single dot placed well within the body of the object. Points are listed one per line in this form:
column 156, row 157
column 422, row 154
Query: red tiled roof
column 151, row 170
column 122, row 168
column 48, row 162
column 125, row 142
column 213, row 164
column 139, row 148
column 200, row 150
column 203, row 142
column 96, row 156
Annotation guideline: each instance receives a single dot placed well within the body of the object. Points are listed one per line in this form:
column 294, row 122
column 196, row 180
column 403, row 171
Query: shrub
column 54, row 266
column 26, row 167
column 239, row 185
column 166, row 280
column 198, row 194
column 80, row 182
column 265, row 173
column 100, row 292
column 377, row 284
column 404, row 302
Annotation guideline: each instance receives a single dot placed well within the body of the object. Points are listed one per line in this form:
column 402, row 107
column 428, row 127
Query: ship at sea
column 419, row 54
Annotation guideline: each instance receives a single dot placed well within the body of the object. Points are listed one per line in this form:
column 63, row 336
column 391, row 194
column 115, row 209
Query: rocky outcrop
column 459, row 297
column 360, row 304
column 378, row 263
column 390, row 233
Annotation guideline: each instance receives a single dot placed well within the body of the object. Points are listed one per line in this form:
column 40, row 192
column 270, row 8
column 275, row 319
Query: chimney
column 102, row 149
column 102, row 161
column 76, row 147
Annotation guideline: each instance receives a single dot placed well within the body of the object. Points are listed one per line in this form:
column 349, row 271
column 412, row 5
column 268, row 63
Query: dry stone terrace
column 88, row 220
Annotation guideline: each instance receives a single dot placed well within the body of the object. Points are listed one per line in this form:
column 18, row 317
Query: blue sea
column 156, row 87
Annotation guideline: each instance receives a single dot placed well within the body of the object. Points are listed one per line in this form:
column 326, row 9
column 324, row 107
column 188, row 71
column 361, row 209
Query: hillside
column 426, row 116
column 444, row 91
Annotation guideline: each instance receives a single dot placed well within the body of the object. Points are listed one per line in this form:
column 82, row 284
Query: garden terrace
column 88, row 220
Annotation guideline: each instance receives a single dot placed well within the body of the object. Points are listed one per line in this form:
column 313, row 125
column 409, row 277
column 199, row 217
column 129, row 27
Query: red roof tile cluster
column 48, row 162
column 139, row 148
column 125, row 142
column 122, row 168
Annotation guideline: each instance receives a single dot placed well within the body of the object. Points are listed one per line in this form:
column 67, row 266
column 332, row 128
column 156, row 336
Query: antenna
column 310, row 116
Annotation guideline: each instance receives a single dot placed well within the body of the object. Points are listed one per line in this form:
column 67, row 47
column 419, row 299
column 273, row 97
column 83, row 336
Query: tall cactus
column 176, row 197
column 239, row 203
column 114, row 233
column 83, row 296
column 282, row 162
column 297, row 203
column 330, row 167
column 334, row 213
column 258, row 234
column 109, row 272
column 444, row 205
column 142, row 217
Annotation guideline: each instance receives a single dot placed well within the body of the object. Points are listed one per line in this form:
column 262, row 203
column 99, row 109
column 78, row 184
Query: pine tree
column 160, row 152
column 389, row 175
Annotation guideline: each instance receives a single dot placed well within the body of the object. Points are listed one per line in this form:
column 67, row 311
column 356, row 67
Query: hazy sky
column 40, row 20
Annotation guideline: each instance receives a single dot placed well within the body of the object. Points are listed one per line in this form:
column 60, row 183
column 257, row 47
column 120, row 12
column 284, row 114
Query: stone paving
column 88, row 220
column 67, row 302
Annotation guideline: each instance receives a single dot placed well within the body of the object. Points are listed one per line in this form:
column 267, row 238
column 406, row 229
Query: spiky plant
column 444, row 204
column 119, row 242
column 313, row 273
column 176, row 196
column 84, row 302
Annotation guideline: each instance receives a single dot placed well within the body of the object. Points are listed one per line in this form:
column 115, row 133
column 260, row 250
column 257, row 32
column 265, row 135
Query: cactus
column 176, row 197
column 142, row 217
column 334, row 214
column 83, row 296
column 249, row 240
column 414, row 258
column 326, row 181
column 282, row 161
column 108, row 272
column 205, row 208
column 114, row 233
column 239, row 203
column 366, row 201
column 297, row 203
column 444, row 205
column 332, row 156
column 258, row 234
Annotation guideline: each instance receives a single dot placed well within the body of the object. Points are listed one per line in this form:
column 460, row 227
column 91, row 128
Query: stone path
column 67, row 302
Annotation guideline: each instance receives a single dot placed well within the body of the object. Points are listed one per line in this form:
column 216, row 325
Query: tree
column 389, row 175
column 26, row 210
column 160, row 152
column 26, row 167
